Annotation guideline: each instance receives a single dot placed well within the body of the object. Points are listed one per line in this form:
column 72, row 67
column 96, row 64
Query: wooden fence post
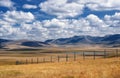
column 51, row 59
column 66, row 57
column 58, row 58
column 32, row 61
column 74, row 56
column 37, row 60
column 116, row 52
column 17, row 62
column 26, row 61
column 104, row 53
column 83, row 56
column 94, row 55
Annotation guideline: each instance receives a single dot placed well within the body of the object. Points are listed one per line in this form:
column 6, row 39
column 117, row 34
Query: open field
column 99, row 68
column 9, row 57
column 108, row 67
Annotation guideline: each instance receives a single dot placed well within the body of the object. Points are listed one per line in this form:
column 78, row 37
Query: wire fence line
column 71, row 56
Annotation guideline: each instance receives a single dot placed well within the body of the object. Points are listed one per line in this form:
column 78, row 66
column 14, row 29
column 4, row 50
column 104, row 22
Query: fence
column 71, row 56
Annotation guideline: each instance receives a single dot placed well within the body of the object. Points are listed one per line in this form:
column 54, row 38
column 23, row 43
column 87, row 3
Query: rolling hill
column 106, row 41
column 109, row 40
column 21, row 44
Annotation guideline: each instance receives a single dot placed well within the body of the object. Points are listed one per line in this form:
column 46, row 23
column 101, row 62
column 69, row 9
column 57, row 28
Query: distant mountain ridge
column 109, row 40
column 34, row 44
column 2, row 41
column 78, row 40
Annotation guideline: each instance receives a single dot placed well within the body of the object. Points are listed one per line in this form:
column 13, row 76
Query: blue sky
column 52, row 19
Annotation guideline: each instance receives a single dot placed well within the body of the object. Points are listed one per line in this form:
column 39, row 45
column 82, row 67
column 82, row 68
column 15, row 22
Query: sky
column 52, row 19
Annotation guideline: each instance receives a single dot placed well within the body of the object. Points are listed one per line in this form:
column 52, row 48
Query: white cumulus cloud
column 61, row 8
column 6, row 3
column 103, row 4
column 10, row 24
column 18, row 16
column 73, row 8
column 28, row 6
column 23, row 25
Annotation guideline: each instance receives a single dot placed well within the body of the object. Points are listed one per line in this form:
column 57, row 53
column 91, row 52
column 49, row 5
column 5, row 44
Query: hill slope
column 109, row 40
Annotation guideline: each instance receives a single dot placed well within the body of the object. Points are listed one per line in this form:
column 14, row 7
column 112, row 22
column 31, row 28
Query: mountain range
column 106, row 41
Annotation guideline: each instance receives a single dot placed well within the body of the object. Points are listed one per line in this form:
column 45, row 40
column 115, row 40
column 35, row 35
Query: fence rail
column 70, row 56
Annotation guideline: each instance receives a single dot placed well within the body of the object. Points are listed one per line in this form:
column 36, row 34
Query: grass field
column 89, row 68
column 100, row 68
column 9, row 57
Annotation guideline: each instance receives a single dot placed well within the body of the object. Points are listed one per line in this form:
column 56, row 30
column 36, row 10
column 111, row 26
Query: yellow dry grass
column 99, row 68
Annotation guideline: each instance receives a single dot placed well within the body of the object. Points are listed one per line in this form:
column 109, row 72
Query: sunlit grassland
column 99, row 68
column 108, row 67
column 11, row 56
